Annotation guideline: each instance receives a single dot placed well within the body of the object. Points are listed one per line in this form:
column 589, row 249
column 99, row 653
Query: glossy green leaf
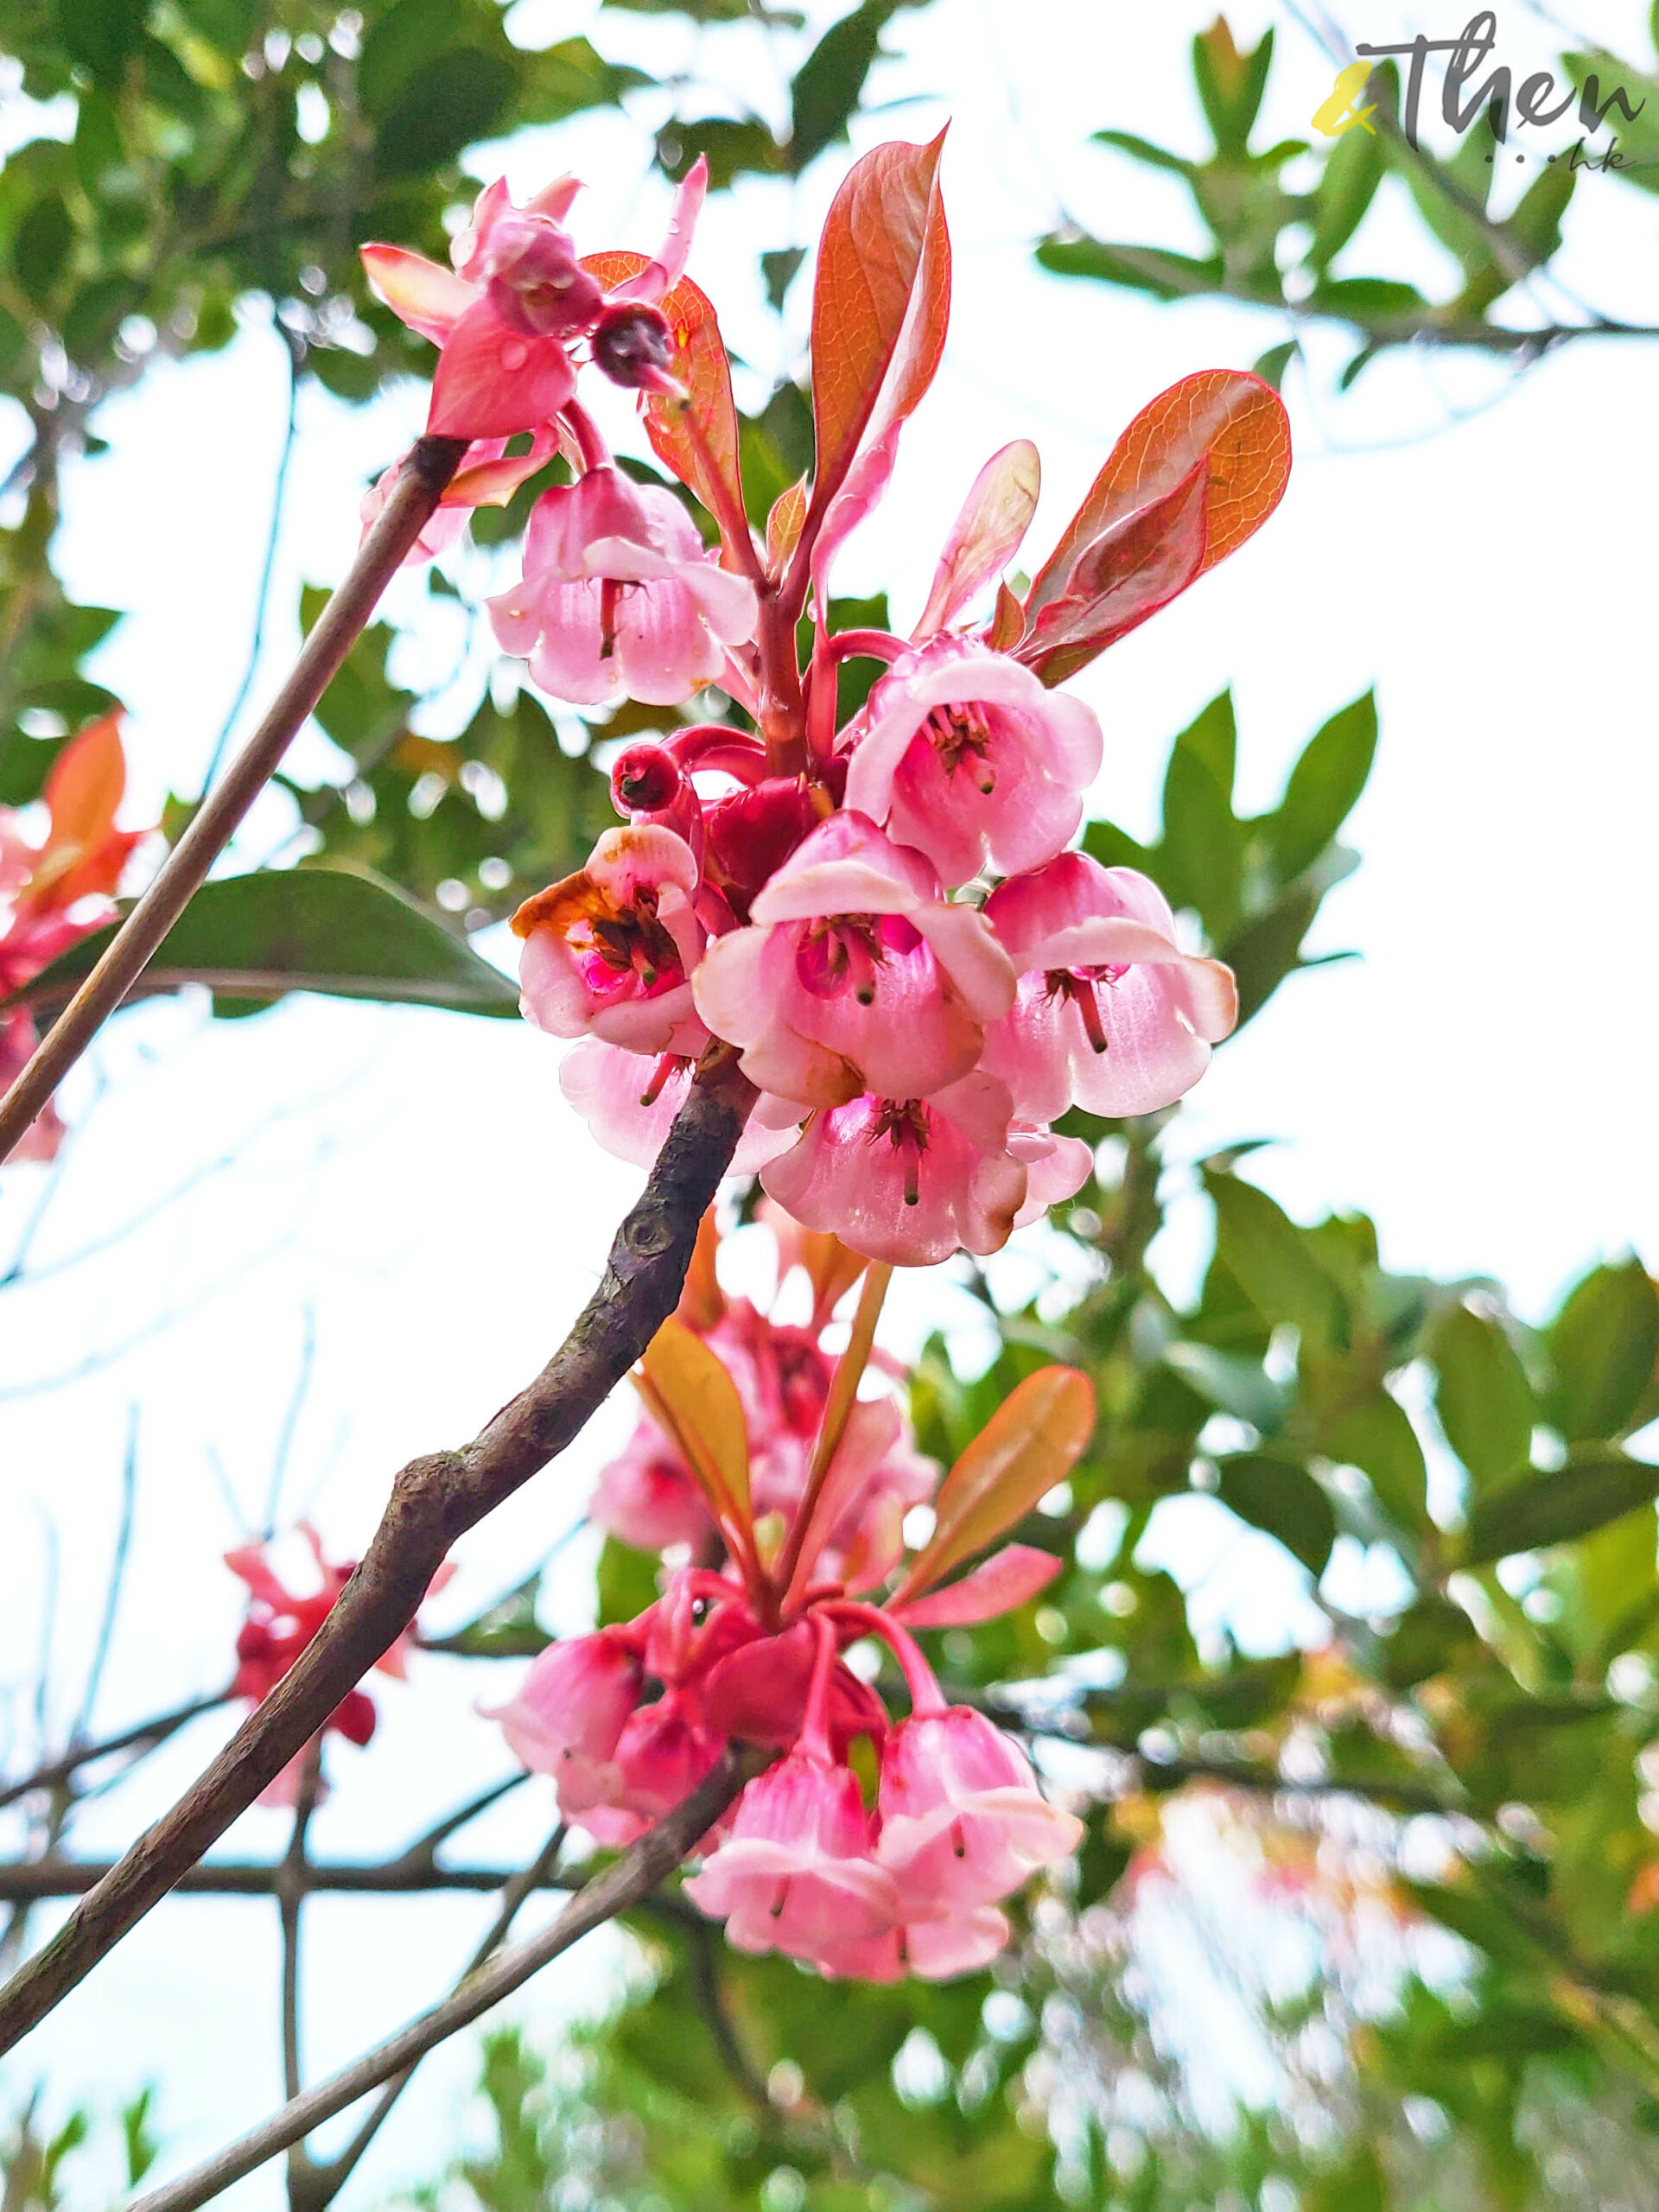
column 1286, row 1501
column 1354, row 169
column 506, row 1630
column 1603, row 1347
column 1375, row 1436
column 1324, row 787
column 830, row 81
column 1482, row 1395
column 1554, row 1507
column 1273, row 1260
column 322, row 927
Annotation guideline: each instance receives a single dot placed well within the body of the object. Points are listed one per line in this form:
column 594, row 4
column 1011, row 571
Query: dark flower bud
column 631, row 344
column 645, row 779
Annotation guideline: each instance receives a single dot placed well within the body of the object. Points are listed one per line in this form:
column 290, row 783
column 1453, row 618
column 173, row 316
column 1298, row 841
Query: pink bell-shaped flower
column 912, row 1180
column 1111, row 1013
column 619, row 596
column 662, row 1754
column 964, row 754
column 960, row 1943
column 629, row 1101
column 963, row 1821
column 569, row 1714
column 856, row 975
column 609, row 950
column 795, row 1874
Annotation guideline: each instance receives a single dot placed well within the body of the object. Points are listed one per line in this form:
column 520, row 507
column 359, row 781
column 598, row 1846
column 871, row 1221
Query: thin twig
column 326, row 2181
column 705, row 1947
column 295, row 348
column 434, row 1501
column 421, row 480
column 118, row 1576
column 31, row 1881
column 291, row 1887
column 148, row 1733
column 632, row 1876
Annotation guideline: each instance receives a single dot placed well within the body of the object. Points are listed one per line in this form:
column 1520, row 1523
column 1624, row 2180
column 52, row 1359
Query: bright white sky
column 407, row 1190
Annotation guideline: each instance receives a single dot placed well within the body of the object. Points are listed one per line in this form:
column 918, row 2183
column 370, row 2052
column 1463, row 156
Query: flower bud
column 633, row 345
column 646, row 779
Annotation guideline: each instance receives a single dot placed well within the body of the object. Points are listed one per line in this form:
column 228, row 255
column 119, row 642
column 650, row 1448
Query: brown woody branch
column 434, row 1501
column 424, row 472
column 632, row 1878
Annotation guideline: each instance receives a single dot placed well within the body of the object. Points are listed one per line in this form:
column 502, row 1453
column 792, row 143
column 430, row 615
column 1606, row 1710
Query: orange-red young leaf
column 881, row 301
column 700, row 364
column 1135, row 567
column 697, row 1401
column 784, row 525
column 986, row 534
column 1030, row 1443
column 996, row 1585
column 1229, row 427
column 701, row 1300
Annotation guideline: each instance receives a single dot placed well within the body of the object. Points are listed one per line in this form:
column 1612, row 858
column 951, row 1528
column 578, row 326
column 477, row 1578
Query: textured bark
column 434, row 1500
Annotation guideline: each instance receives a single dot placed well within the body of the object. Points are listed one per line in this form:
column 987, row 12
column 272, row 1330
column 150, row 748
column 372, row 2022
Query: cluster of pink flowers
column 279, row 1624
column 649, row 1496
column 53, row 893
column 881, row 922
column 627, row 1721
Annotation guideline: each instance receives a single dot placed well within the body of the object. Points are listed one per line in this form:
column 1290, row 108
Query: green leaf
column 458, row 99
column 1142, row 268
column 1324, row 787
column 1142, row 149
column 101, row 34
column 830, row 81
column 1428, row 1638
column 1347, row 185
column 1603, row 1345
column 1367, row 299
column 1230, row 1381
column 626, row 1581
column 1229, row 83
column 1638, row 140
column 326, row 928
column 1114, row 848
column 1554, row 1507
column 1271, row 365
column 506, row 1630
column 1203, row 855
column 1273, row 1260
column 1286, row 1501
column 1535, row 222
column 1482, row 1395
column 733, row 146
column 1376, row 1437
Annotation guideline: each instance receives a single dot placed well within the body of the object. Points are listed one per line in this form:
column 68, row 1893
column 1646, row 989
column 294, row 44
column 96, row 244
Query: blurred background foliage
column 1370, row 1924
